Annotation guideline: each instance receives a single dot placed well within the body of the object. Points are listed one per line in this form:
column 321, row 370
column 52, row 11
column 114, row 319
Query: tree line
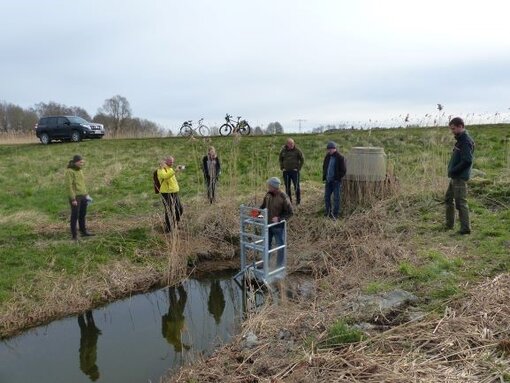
column 115, row 114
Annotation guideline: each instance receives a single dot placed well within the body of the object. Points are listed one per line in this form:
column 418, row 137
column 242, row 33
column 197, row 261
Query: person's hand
column 275, row 220
column 74, row 202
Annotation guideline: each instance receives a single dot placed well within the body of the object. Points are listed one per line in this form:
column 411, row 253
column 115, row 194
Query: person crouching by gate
column 212, row 169
column 78, row 196
column 333, row 170
column 169, row 190
column 291, row 161
column 279, row 209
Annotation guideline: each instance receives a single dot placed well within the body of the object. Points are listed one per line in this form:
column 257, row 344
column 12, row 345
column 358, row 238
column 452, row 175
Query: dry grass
column 469, row 343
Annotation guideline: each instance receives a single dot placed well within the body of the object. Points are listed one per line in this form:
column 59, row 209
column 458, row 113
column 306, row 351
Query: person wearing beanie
column 279, row 209
column 78, row 196
column 459, row 171
column 291, row 161
column 333, row 170
column 169, row 191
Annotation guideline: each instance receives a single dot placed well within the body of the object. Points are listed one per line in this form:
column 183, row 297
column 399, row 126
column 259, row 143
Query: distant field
column 38, row 259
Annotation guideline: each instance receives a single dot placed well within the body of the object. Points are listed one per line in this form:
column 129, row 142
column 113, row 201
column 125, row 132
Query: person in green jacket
column 459, row 171
column 78, row 196
column 291, row 161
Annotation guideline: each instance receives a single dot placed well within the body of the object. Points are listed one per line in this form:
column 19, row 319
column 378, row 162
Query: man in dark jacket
column 291, row 162
column 459, row 171
column 333, row 170
column 279, row 209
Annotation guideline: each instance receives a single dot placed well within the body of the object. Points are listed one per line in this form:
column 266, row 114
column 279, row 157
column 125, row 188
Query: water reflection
column 137, row 339
column 88, row 345
column 172, row 323
column 216, row 301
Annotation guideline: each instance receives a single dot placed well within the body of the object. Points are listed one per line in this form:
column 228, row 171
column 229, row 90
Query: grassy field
column 396, row 243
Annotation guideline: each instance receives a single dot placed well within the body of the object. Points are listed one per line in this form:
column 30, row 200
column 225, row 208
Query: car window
column 78, row 120
column 61, row 121
column 52, row 121
column 43, row 121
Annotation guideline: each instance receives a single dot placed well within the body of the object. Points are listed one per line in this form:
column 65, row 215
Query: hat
column 331, row 145
column 274, row 182
column 77, row 158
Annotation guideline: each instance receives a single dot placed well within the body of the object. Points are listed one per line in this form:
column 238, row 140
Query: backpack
column 157, row 184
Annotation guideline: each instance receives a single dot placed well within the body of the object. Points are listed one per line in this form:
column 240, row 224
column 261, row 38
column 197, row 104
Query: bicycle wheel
column 244, row 129
column 204, row 130
column 225, row 129
column 186, row 131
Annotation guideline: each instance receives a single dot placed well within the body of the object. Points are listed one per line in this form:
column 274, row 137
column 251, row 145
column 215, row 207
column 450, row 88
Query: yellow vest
column 167, row 180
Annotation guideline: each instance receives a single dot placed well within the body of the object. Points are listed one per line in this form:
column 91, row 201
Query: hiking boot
column 464, row 232
column 87, row 234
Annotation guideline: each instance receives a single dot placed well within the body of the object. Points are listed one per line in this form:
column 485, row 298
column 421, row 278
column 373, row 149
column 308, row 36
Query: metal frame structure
column 254, row 236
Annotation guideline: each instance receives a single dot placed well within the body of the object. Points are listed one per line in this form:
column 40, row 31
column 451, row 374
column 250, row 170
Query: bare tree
column 119, row 110
column 53, row 108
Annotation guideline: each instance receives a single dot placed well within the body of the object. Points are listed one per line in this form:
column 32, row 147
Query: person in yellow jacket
column 169, row 190
column 78, row 196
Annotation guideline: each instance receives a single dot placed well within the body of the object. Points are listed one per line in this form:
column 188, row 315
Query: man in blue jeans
column 333, row 170
column 279, row 209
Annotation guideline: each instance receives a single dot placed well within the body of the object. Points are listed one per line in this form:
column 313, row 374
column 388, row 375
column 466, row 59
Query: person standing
column 212, row 169
column 169, row 190
column 459, row 171
column 333, row 170
column 78, row 196
column 279, row 209
column 291, row 162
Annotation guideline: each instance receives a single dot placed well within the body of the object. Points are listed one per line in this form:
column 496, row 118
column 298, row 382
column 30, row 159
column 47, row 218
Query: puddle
column 137, row 339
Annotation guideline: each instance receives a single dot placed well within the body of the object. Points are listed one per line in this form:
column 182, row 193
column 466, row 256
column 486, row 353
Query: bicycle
column 188, row 130
column 240, row 126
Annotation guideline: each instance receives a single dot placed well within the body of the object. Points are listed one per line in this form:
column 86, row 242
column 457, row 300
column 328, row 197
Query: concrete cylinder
column 366, row 164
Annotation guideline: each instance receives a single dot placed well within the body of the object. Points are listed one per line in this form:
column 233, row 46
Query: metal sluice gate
column 257, row 259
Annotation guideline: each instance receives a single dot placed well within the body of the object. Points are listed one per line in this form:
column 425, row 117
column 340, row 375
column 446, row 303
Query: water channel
column 137, row 339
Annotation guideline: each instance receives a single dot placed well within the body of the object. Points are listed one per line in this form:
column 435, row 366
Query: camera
column 181, row 167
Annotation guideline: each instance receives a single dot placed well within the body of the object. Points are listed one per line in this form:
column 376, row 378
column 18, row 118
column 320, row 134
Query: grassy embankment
column 45, row 275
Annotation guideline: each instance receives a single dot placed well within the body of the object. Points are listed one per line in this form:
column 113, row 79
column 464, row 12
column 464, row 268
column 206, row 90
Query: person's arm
column 164, row 175
column 280, row 157
column 301, row 159
column 324, row 168
column 263, row 206
column 218, row 166
column 287, row 211
column 341, row 166
column 69, row 185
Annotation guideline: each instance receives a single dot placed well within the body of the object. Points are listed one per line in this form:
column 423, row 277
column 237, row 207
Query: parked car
column 67, row 128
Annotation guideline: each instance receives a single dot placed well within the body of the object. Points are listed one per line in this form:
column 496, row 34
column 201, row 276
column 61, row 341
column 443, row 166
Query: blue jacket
column 461, row 160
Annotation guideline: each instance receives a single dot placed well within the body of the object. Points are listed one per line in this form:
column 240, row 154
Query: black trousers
column 173, row 209
column 78, row 214
column 292, row 176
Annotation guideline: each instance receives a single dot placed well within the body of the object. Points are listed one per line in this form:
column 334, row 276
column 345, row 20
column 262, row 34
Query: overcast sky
column 325, row 61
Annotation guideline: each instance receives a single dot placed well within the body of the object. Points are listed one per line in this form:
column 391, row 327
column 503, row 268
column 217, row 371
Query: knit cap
column 331, row 145
column 274, row 182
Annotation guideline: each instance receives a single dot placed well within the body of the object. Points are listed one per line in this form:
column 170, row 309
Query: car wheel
column 75, row 136
column 45, row 138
